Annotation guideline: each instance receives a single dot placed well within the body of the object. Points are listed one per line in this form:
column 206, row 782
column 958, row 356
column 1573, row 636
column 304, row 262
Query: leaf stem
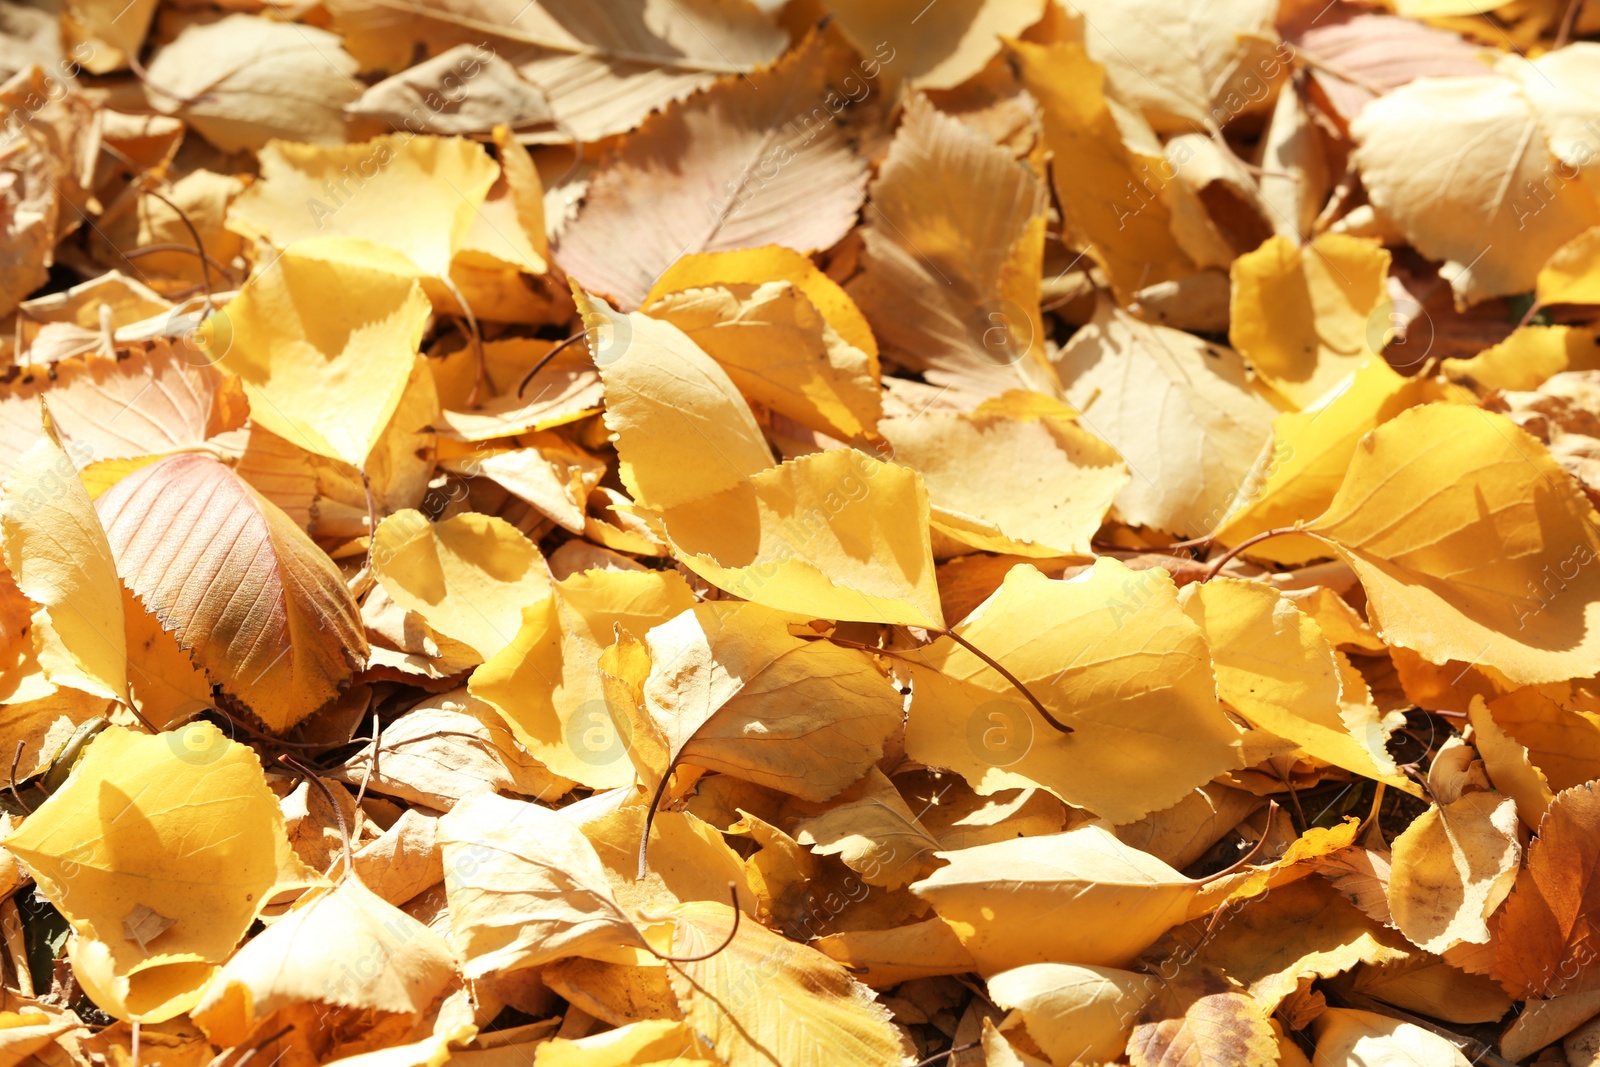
column 1218, row 563
column 733, row 896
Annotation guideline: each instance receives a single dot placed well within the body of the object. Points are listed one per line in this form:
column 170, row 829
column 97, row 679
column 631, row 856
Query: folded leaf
column 526, row 888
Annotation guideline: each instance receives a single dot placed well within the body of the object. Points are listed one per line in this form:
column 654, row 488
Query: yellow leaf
column 228, row 80
column 1302, row 316
column 467, row 576
column 58, row 554
column 167, row 687
column 766, row 315
column 1527, row 358
column 525, row 888
column 954, row 244
column 1312, row 450
column 260, row 607
column 1073, row 1012
column 874, row 832
column 1449, row 542
column 1108, row 653
column 1300, row 930
column 1187, row 64
column 415, row 194
column 765, row 999
column 1082, row 896
column 726, row 674
column 1101, row 179
column 1439, row 151
column 344, row 947
column 933, row 48
column 1345, row 1035
column 1509, row 765
column 640, row 1044
column 835, row 534
column 324, row 338
column 1569, row 276
column 885, row 958
column 545, row 682
column 1180, row 411
column 182, row 824
column 1275, row 667
column 957, row 456
column 1560, row 734
column 1451, row 869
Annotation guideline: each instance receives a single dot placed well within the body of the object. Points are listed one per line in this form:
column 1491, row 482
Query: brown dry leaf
column 526, row 888
column 603, row 67
column 1204, row 1020
column 765, row 999
column 954, row 242
column 1558, row 729
column 1355, row 55
column 738, row 166
column 480, row 89
column 252, row 598
column 231, row 81
column 1179, row 410
column 1541, row 936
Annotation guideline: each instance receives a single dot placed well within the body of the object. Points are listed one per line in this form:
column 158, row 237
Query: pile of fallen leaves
column 634, row 532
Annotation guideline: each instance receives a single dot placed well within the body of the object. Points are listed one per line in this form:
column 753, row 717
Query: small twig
column 372, row 514
column 16, row 794
column 951, row 1051
column 372, row 768
column 1527, row 316
column 1266, row 831
column 199, row 246
column 649, row 820
column 477, row 339
column 1568, row 21
column 327, row 794
column 250, row 1054
column 546, row 358
column 1222, row 560
column 147, row 250
column 733, row 896
column 1008, row 676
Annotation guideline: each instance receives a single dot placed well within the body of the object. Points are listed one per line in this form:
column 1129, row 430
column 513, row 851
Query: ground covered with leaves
column 982, row 532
